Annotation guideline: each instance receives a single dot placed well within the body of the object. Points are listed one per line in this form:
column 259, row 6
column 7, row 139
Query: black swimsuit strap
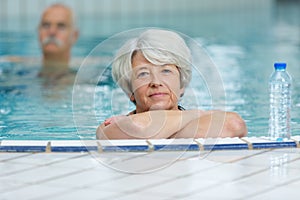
column 179, row 107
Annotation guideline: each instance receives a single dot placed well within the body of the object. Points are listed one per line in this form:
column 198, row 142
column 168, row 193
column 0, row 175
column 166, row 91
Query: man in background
column 57, row 34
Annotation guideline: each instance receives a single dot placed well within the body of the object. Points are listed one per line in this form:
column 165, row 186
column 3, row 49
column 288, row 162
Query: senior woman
column 154, row 70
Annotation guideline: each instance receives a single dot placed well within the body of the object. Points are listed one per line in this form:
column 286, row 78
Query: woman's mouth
column 158, row 94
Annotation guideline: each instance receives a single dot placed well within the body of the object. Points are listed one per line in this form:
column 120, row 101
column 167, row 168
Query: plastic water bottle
column 280, row 103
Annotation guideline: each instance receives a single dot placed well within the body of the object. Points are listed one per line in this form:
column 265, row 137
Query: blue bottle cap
column 280, row 66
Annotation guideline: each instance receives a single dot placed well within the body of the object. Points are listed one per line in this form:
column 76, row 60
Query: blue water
column 243, row 46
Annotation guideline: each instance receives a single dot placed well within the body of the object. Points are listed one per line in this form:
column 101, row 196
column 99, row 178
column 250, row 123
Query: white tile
column 295, row 164
column 224, row 191
column 140, row 195
column 202, row 180
column 296, row 138
column 269, row 178
column 86, row 179
column 64, row 143
column 31, row 192
column 252, row 186
column 109, row 158
column 220, row 174
column 227, row 172
column 24, row 143
column 247, row 186
column 40, row 174
column 288, row 150
column 82, row 193
column 122, row 142
column 234, row 140
column 41, row 159
column 13, row 168
column 288, row 191
column 181, row 185
column 83, row 162
column 186, row 167
column 6, row 157
column 293, row 184
column 149, row 162
column 230, row 156
column 131, row 183
column 267, row 158
column 139, row 165
column 171, row 141
column 9, row 185
column 143, row 162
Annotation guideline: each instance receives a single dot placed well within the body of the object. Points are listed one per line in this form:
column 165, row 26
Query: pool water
column 242, row 47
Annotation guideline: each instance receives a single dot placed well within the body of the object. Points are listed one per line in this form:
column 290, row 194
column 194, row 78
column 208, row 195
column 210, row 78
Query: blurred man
column 57, row 34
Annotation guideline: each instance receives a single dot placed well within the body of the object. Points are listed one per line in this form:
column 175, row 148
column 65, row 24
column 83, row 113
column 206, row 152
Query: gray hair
column 159, row 47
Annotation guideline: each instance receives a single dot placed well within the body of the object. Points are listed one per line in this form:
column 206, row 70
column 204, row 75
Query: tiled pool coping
column 269, row 173
column 103, row 146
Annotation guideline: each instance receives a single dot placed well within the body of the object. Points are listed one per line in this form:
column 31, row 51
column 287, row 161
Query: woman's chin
column 160, row 107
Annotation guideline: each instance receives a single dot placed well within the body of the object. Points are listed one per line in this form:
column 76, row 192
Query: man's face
column 56, row 31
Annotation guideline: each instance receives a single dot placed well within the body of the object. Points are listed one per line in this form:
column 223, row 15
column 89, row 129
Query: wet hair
column 159, row 47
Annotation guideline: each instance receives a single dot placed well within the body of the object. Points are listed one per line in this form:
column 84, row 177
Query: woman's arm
column 214, row 124
column 147, row 125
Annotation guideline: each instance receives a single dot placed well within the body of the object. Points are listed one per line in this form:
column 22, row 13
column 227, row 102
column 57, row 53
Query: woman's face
column 154, row 87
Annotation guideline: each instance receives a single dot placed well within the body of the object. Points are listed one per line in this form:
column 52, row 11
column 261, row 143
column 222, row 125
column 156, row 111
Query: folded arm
column 147, row 125
column 214, row 124
column 173, row 124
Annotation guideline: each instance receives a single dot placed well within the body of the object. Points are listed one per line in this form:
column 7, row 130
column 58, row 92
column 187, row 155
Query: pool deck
column 160, row 169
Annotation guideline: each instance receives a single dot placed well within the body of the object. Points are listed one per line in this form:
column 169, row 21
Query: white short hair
column 159, row 47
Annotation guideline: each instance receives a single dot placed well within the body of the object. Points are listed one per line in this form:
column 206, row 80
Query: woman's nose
column 155, row 80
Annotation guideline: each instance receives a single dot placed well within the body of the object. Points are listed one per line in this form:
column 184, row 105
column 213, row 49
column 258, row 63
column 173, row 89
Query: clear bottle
column 280, row 103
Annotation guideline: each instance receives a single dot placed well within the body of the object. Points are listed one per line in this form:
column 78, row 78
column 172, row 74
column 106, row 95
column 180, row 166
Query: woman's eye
column 142, row 74
column 166, row 71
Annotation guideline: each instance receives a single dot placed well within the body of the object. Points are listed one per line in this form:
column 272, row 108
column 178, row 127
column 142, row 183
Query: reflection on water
column 30, row 109
column 242, row 44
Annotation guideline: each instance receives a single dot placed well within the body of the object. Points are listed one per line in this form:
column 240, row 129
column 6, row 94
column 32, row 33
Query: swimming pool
column 243, row 44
